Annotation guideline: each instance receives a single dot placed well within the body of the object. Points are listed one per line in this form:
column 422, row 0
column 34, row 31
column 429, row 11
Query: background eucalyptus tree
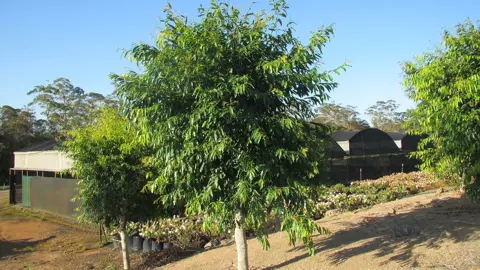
column 384, row 115
column 66, row 106
column 339, row 117
column 224, row 103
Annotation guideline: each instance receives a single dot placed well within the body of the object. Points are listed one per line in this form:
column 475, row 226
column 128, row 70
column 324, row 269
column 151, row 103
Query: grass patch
column 18, row 212
column 4, row 187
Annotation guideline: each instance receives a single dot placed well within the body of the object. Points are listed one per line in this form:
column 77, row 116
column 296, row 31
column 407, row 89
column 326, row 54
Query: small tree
column 224, row 101
column 108, row 161
column 445, row 84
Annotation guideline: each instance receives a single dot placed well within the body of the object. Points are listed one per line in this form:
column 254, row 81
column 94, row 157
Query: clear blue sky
column 79, row 40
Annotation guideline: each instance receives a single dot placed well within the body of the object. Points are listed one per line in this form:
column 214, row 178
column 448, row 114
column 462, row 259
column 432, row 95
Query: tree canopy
column 445, row 84
column 340, row 117
column 385, row 116
column 225, row 102
column 18, row 128
column 66, row 106
column 110, row 164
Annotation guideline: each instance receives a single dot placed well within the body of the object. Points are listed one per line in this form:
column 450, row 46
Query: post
column 12, row 186
column 360, row 173
column 402, row 167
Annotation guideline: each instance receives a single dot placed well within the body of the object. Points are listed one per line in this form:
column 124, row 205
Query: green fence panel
column 26, row 191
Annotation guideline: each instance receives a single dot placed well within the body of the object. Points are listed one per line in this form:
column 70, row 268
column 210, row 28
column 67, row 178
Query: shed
column 406, row 142
column 43, row 156
column 37, row 179
column 370, row 141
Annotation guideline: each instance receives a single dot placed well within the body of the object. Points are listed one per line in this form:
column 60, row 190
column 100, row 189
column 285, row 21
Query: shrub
column 473, row 191
column 366, row 193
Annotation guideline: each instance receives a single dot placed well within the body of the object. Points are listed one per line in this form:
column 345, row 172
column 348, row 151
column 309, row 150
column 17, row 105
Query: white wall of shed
column 42, row 161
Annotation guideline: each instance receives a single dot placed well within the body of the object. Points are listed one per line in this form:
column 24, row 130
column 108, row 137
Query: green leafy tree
column 17, row 130
column 110, row 165
column 340, row 117
column 385, row 116
column 225, row 102
column 66, row 106
column 445, row 84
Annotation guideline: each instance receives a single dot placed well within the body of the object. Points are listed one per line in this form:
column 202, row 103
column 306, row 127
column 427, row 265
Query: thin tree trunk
column 241, row 241
column 278, row 223
column 463, row 182
column 123, row 241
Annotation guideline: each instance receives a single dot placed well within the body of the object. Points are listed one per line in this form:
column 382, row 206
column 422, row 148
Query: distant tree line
column 63, row 106
column 384, row 115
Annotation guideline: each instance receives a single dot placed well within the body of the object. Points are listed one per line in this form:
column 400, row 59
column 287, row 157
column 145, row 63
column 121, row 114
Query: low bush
column 188, row 233
column 360, row 194
column 473, row 191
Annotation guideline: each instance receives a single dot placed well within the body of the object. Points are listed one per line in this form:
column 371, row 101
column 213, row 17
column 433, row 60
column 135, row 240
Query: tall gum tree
column 224, row 103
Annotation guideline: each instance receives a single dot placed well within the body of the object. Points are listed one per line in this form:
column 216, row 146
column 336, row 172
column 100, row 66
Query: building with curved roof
column 370, row 141
column 405, row 142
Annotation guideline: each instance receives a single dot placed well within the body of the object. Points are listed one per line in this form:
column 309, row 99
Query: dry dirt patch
column 428, row 231
column 27, row 241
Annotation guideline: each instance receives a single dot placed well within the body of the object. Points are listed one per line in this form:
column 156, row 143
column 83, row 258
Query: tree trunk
column 123, row 241
column 463, row 182
column 277, row 223
column 241, row 241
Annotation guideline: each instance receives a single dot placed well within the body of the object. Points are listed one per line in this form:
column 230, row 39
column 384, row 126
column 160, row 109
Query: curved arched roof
column 372, row 141
column 343, row 135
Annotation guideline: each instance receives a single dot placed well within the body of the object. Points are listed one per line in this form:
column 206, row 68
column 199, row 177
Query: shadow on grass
column 395, row 236
column 12, row 248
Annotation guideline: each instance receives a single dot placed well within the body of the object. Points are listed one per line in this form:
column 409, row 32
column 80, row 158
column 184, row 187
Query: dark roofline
column 397, row 136
column 49, row 145
column 344, row 135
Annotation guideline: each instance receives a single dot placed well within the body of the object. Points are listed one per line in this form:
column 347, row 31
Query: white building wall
column 42, row 161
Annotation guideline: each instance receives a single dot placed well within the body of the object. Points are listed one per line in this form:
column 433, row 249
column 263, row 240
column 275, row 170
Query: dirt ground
column 428, row 231
column 31, row 241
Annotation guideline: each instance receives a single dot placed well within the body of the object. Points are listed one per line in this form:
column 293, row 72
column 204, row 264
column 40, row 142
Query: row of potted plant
column 159, row 234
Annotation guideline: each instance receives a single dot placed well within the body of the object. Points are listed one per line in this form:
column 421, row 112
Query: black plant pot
column 147, row 245
column 156, row 246
column 129, row 242
column 137, row 243
column 116, row 240
column 167, row 245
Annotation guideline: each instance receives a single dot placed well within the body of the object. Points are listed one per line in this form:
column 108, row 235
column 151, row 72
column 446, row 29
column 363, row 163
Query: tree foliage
column 224, row 102
column 18, row 128
column 110, row 164
column 445, row 84
column 385, row 116
column 66, row 106
column 340, row 117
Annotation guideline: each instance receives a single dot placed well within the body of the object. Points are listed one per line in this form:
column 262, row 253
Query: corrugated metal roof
column 49, row 145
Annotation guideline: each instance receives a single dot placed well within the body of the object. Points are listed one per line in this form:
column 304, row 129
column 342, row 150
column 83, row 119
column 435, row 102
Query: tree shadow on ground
column 17, row 247
column 395, row 236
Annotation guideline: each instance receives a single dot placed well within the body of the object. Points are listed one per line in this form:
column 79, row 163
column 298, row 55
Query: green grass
column 4, row 187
